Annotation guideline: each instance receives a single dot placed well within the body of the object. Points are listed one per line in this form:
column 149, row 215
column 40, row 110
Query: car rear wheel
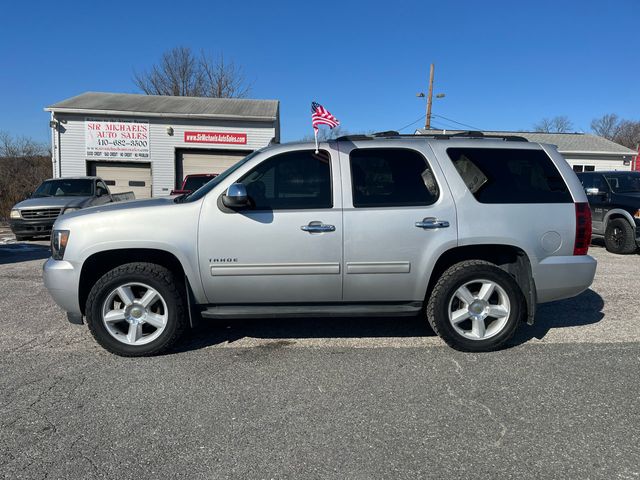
column 136, row 310
column 619, row 237
column 475, row 306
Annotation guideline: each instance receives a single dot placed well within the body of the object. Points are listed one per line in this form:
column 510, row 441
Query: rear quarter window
column 502, row 175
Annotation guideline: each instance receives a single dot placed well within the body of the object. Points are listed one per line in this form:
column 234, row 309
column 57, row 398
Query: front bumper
column 33, row 228
column 563, row 277
column 61, row 279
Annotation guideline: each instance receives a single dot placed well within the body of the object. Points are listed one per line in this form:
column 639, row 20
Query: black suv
column 615, row 207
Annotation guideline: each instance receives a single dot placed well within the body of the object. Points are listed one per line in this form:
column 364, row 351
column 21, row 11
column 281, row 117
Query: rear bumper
column 61, row 279
column 563, row 277
column 31, row 227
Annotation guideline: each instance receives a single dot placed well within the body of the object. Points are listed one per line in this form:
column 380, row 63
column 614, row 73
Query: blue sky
column 502, row 64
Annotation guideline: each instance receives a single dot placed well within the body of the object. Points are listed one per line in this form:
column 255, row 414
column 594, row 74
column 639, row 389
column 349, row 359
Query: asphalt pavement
column 322, row 398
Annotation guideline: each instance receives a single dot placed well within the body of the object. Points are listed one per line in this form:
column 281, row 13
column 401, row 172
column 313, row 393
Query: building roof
column 566, row 142
column 166, row 106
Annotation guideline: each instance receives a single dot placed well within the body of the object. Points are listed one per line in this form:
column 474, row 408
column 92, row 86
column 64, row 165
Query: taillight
column 583, row 229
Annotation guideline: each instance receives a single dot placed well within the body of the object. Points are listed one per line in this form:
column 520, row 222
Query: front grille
column 40, row 213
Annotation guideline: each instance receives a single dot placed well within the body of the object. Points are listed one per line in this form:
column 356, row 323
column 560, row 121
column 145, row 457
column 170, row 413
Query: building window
column 136, row 183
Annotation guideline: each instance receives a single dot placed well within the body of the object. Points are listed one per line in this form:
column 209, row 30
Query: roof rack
column 437, row 136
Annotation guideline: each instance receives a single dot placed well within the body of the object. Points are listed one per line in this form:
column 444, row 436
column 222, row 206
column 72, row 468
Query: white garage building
column 147, row 143
column 584, row 152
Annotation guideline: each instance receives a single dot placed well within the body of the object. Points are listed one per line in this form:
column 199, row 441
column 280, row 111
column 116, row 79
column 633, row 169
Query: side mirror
column 236, row 197
column 592, row 191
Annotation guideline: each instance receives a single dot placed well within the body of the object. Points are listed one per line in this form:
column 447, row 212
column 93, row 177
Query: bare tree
column 24, row 164
column 222, row 80
column 182, row 73
column 559, row 124
column 628, row 134
column 325, row 134
column 606, row 126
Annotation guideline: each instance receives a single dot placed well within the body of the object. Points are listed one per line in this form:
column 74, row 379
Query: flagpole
column 315, row 134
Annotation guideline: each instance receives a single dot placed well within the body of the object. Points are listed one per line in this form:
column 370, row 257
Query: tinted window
column 291, row 180
column 101, row 189
column 388, row 177
column 594, row 181
column 501, row 175
column 65, row 188
column 194, row 183
column 624, row 182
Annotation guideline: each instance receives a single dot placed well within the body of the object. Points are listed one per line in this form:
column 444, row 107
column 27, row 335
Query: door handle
column 318, row 227
column 431, row 223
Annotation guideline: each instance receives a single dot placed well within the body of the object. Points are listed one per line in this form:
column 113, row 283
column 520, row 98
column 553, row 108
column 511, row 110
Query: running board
column 317, row 310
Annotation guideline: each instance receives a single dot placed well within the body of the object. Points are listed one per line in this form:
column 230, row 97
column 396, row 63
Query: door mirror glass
column 236, row 197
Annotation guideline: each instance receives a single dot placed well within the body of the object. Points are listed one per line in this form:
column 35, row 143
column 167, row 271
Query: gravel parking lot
column 322, row 398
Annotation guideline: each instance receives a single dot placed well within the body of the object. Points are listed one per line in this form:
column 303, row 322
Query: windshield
column 65, row 188
column 624, row 182
column 206, row 188
column 194, row 183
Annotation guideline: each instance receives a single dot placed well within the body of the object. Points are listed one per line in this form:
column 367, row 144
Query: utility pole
column 427, row 124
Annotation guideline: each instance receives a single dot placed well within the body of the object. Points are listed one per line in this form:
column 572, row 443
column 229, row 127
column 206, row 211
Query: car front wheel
column 475, row 306
column 136, row 310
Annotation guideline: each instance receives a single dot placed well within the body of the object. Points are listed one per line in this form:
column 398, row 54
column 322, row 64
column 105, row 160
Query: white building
column 584, row 152
column 148, row 143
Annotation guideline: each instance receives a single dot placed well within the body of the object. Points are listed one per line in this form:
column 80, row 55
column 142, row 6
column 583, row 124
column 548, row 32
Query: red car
column 193, row 182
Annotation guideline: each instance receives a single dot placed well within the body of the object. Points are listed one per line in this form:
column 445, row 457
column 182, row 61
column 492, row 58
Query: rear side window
column 391, row 177
column 502, row 175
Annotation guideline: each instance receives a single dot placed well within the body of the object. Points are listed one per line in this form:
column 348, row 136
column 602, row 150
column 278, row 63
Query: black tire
column 155, row 276
column 619, row 237
column 444, row 291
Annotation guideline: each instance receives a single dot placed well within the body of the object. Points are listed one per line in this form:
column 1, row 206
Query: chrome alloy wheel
column 135, row 314
column 479, row 309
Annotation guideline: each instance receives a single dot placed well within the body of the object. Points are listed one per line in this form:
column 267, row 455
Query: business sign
column 216, row 137
column 116, row 138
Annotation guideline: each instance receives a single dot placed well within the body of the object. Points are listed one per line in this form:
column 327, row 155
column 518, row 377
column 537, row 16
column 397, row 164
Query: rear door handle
column 318, row 227
column 431, row 223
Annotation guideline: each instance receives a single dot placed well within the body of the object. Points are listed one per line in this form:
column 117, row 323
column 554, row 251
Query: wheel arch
column 99, row 263
column 510, row 258
column 619, row 213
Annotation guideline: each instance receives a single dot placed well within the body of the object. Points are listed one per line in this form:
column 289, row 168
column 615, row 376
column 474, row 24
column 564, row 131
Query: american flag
column 321, row 116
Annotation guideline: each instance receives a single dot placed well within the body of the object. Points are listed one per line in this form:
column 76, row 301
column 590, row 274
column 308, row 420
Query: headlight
column 59, row 239
column 70, row 209
column 14, row 213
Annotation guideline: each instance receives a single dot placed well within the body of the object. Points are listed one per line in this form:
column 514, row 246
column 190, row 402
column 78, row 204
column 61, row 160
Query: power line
column 412, row 123
column 455, row 121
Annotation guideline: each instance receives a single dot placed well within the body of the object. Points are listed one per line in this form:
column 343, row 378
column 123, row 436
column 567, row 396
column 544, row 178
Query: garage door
column 126, row 177
column 190, row 163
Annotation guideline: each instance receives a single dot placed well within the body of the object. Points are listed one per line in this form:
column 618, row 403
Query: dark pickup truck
column 615, row 208
column 36, row 215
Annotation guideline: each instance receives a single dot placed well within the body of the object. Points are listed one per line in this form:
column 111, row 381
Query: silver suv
column 470, row 231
